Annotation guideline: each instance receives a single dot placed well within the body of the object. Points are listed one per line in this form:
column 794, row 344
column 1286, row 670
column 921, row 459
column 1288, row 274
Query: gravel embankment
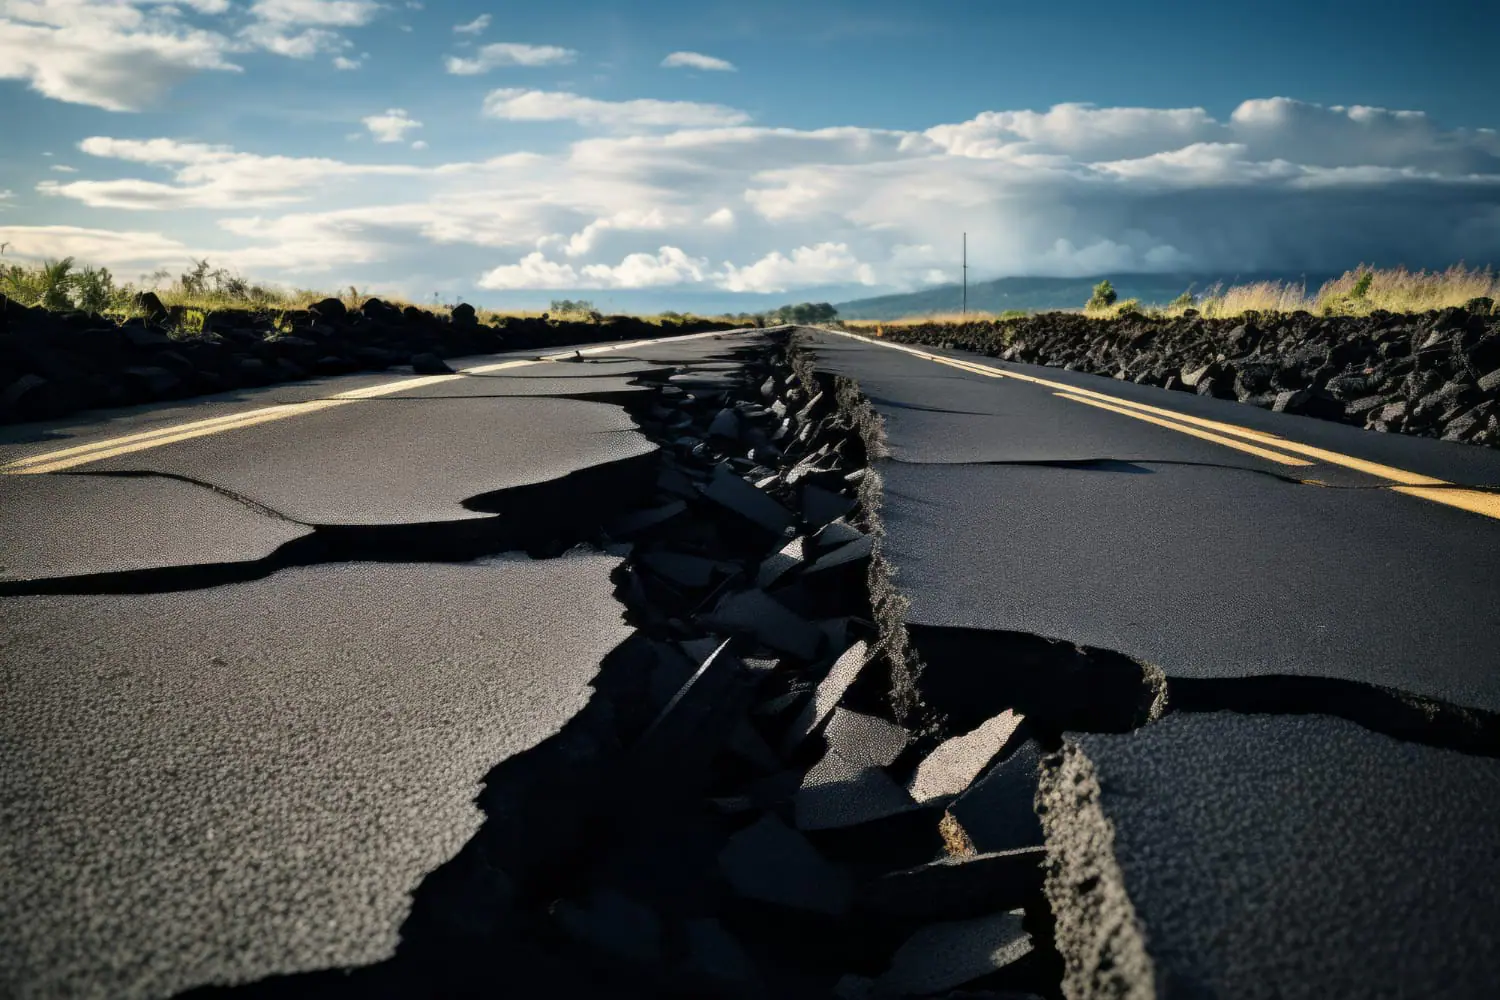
column 1434, row 374
column 53, row 363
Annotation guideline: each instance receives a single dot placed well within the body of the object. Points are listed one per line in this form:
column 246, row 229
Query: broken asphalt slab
column 257, row 787
column 1292, row 857
column 1206, row 573
column 361, row 465
column 61, row 526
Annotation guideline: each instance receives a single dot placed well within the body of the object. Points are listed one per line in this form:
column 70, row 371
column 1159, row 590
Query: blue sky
column 724, row 155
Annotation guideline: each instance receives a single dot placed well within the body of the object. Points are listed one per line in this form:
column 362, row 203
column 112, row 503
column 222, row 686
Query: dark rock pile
column 53, row 363
column 1434, row 374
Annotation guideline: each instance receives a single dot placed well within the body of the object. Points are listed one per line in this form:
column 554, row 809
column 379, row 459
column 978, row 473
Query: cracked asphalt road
column 214, row 777
column 1297, row 823
column 1010, row 508
column 218, row 782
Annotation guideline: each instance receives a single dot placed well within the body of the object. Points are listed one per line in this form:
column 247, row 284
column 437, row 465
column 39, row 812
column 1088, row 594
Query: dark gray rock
column 956, row 762
column 684, row 570
column 714, row 955
column 772, row 863
column 329, row 311
column 865, row 739
column 942, row 956
column 820, row 506
column 828, row 694
column 733, row 493
column 429, row 364
column 772, row 625
column 613, row 923
column 780, row 563
column 642, row 520
column 726, row 424
column 151, row 380
column 997, row 812
column 954, row 888
column 842, row 793
column 857, row 551
column 150, row 304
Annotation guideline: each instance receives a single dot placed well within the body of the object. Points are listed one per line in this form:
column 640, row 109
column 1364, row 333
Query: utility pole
column 966, row 276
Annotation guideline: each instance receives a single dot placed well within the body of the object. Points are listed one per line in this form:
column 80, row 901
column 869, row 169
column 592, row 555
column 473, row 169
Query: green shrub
column 1104, row 296
column 1362, row 286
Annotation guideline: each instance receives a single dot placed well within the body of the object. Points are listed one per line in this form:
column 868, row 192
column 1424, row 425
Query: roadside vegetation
column 1356, row 293
column 68, row 285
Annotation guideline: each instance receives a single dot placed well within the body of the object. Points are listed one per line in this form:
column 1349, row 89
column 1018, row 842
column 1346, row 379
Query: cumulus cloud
column 327, row 13
column 345, row 63
column 123, row 55
column 116, row 56
column 697, row 60
column 208, row 176
column 303, row 44
column 391, row 126
column 668, row 266
column 117, row 249
column 499, row 54
column 473, row 27
column 824, row 264
column 681, row 197
column 554, row 105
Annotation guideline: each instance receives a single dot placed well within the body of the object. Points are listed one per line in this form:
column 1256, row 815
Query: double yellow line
column 1259, row 443
column 67, row 458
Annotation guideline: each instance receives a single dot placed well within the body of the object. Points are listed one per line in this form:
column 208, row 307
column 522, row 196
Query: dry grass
column 1356, row 293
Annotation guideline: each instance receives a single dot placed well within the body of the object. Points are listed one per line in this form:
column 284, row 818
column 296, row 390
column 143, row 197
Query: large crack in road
column 784, row 783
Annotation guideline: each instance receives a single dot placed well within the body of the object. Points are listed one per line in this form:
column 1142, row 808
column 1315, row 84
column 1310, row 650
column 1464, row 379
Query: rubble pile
column 745, row 809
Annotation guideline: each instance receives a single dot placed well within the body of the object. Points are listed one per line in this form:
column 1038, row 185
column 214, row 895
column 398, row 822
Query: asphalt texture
column 1009, row 508
column 1223, row 839
column 1302, row 857
column 213, row 783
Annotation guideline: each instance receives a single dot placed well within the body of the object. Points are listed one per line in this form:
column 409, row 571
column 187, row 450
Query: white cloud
column 473, row 27
column 120, row 250
column 208, row 176
column 824, row 264
column 345, row 63
column 683, row 200
column 391, row 126
column 697, row 60
column 551, row 105
column 303, row 44
column 123, row 55
column 419, row 144
column 114, row 56
column 325, row 13
column 499, row 54
column 668, row 266
column 63, row 168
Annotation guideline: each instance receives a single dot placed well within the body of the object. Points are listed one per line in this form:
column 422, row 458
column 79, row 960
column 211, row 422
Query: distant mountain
column 1034, row 294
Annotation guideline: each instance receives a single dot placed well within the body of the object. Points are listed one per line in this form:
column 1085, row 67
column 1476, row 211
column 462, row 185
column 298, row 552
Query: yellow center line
column 1274, row 456
column 1410, row 483
column 67, row 458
